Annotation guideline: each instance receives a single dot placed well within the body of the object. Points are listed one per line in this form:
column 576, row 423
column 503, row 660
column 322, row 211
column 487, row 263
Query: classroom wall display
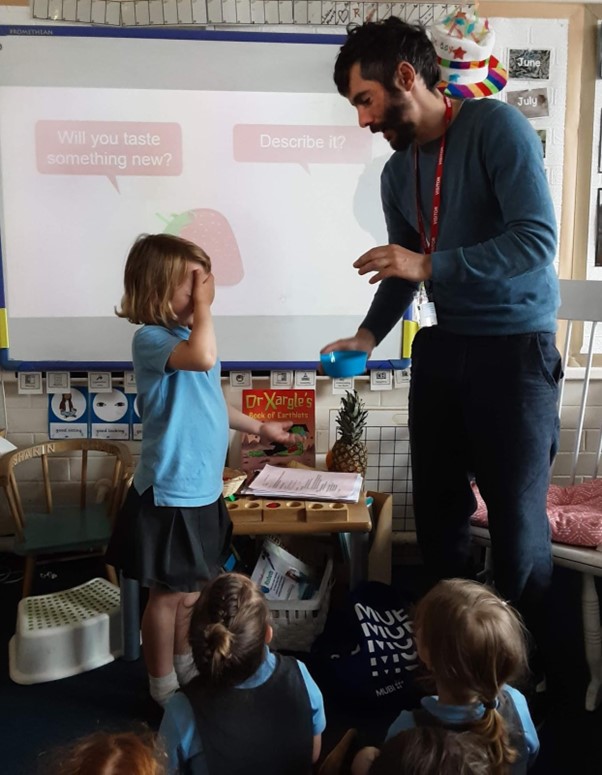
column 172, row 12
column 532, row 103
column 144, row 131
column 543, row 135
column 523, row 45
column 58, row 381
column 68, row 414
column 296, row 406
column 135, row 419
column 529, row 63
column 110, row 415
column 30, row 382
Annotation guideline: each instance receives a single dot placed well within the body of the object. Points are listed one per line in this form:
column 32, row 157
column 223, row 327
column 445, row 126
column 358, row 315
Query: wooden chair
column 64, row 524
column 581, row 304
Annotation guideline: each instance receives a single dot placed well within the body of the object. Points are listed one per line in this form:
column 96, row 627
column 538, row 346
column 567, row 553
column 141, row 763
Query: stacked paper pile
column 306, row 484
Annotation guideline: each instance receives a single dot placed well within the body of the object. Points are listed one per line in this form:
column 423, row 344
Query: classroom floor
column 35, row 719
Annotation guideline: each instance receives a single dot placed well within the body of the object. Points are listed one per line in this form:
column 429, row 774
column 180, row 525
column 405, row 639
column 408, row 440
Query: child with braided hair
column 473, row 643
column 173, row 531
column 249, row 710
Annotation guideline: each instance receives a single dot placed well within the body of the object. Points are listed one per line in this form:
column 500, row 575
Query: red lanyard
column 429, row 246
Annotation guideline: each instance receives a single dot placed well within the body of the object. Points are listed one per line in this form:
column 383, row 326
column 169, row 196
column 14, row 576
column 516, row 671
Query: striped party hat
column 464, row 42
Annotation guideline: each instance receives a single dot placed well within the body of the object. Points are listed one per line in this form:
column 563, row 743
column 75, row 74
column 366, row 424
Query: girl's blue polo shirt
column 185, row 423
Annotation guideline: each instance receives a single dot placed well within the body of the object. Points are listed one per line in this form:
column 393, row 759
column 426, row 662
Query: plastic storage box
column 297, row 623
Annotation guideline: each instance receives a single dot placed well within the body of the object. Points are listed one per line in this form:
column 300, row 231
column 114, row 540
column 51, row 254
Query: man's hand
column 394, row 261
column 363, row 341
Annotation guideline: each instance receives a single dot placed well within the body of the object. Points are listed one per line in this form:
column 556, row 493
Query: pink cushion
column 575, row 513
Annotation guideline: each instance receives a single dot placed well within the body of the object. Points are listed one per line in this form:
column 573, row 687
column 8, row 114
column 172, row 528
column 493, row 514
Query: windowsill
column 578, row 372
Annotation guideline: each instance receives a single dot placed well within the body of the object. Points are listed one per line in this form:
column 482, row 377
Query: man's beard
column 403, row 133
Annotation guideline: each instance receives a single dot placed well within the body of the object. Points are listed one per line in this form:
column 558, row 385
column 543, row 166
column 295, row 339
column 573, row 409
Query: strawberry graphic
column 211, row 231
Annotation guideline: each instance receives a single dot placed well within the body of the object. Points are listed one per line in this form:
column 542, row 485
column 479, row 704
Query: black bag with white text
column 367, row 653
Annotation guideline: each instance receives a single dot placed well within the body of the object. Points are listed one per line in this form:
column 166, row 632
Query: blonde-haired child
column 249, row 710
column 432, row 751
column 473, row 643
column 174, row 530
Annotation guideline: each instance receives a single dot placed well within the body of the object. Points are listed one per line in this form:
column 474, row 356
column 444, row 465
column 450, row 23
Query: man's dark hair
column 379, row 47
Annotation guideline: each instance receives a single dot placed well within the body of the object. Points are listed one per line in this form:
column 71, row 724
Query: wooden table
column 357, row 527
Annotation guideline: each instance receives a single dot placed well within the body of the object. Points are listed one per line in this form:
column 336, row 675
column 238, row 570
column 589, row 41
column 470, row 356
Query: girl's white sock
column 185, row 667
column 163, row 687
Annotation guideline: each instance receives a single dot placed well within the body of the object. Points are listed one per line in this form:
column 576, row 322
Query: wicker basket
column 297, row 623
column 233, row 479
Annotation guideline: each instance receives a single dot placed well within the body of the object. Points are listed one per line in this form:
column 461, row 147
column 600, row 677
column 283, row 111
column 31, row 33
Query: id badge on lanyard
column 427, row 314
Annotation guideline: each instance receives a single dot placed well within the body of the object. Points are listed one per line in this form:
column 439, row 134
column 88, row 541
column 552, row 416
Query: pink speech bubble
column 283, row 143
column 110, row 148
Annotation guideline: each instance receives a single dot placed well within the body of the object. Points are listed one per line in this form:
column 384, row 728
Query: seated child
column 106, row 753
column 432, row 751
column 249, row 710
column 473, row 643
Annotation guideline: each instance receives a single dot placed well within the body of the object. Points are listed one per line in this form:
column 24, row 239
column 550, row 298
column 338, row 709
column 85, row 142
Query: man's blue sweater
column 493, row 270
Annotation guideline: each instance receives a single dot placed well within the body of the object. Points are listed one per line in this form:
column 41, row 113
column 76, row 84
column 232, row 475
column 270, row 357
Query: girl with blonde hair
column 473, row 643
column 432, row 751
column 173, row 531
column 249, row 710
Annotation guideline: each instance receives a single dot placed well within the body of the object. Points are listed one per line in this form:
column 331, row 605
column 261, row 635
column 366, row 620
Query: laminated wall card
column 68, row 414
column 296, row 406
column 135, row 419
column 110, row 415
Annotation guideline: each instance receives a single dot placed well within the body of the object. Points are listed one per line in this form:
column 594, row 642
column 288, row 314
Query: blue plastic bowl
column 344, row 363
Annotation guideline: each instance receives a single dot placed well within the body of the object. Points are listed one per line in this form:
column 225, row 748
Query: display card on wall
column 109, row 415
column 532, row 103
column 30, row 382
column 129, row 382
column 527, row 64
column 58, row 381
column 68, row 414
column 135, row 418
column 542, row 134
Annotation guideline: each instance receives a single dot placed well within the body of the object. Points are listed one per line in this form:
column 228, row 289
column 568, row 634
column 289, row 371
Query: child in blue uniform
column 174, row 528
column 109, row 753
column 473, row 643
column 249, row 710
column 432, row 751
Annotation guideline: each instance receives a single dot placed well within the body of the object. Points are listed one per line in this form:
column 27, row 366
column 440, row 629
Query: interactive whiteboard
column 236, row 141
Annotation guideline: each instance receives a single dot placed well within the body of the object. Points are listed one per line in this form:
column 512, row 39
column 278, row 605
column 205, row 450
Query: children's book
column 265, row 405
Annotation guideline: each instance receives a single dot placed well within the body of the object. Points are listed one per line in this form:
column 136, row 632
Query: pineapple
column 349, row 453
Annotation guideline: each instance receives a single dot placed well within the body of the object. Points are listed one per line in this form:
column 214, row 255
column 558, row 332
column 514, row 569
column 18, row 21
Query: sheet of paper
column 273, row 481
